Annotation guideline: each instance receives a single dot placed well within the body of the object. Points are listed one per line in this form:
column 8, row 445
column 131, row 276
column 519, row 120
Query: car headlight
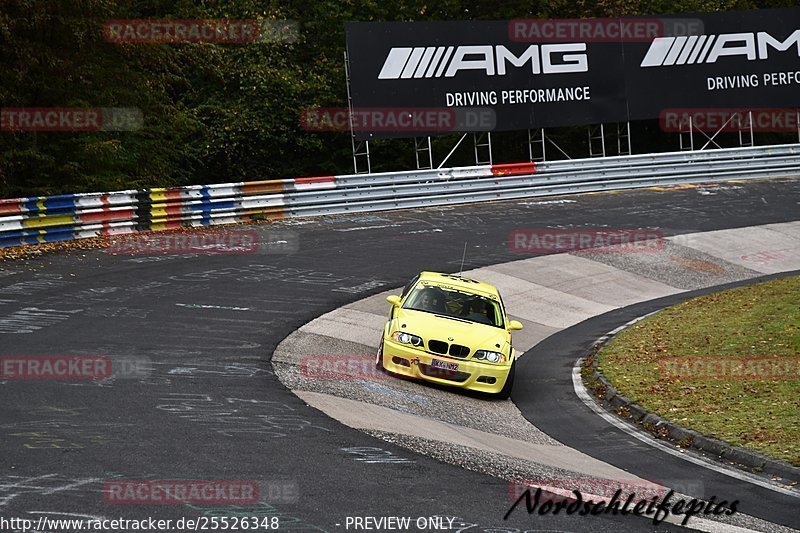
column 492, row 357
column 406, row 338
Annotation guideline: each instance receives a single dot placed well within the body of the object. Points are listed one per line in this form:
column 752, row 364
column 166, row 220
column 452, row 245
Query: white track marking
column 72, row 485
column 583, row 394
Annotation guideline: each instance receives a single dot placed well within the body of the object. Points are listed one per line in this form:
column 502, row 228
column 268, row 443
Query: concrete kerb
column 513, row 273
column 607, row 396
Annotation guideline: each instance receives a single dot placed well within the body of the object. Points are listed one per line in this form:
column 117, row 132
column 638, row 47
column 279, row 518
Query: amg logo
column 666, row 51
column 438, row 61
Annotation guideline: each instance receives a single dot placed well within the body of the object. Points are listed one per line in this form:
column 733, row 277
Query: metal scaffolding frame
column 597, row 137
column 452, row 151
column 626, row 134
column 682, row 133
column 622, row 134
column 422, row 145
column 744, row 140
column 538, row 138
column 360, row 148
column 482, row 140
column 479, row 140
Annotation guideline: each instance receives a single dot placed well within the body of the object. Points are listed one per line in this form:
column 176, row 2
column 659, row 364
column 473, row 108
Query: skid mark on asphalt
column 236, row 417
column 12, row 487
column 235, row 371
column 41, row 283
column 372, row 455
column 374, row 406
column 30, row 319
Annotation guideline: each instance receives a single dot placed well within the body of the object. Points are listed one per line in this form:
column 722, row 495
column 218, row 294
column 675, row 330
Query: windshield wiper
column 454, row 318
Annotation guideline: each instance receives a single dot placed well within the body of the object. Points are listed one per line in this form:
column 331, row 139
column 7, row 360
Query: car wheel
column 505, row 392
column 379, row 358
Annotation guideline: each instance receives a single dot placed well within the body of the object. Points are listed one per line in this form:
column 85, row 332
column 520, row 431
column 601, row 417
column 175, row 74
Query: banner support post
column 420, row 147
column 360, row 148
column 537, row 140
column 477, row 144
column 628, row 135
column 451, row 151
column 544, row 154
column 711, row 139
column 592, row 138
column 742, row 141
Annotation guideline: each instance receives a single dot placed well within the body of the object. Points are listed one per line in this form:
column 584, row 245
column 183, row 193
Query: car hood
column 471, row 334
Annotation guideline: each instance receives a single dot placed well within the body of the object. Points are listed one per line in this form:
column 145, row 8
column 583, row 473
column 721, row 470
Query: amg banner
column 740, row 59
column 477, row 66
column 531, row 73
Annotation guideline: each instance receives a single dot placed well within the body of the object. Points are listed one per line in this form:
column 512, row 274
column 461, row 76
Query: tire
column 379, row 358
column 505, row 392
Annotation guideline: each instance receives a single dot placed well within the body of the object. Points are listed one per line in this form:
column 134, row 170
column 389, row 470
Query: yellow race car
column 450, row 330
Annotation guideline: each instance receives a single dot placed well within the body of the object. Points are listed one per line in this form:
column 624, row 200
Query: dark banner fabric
column 445, row 65
column 742, row 59
column 521, row 74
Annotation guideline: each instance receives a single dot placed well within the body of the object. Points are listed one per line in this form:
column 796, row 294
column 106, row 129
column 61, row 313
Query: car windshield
column 456, row 304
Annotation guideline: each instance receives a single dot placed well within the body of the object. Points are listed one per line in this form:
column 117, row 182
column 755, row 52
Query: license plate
column 445, row 365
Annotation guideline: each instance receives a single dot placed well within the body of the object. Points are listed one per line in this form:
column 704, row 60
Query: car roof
column 469, row 285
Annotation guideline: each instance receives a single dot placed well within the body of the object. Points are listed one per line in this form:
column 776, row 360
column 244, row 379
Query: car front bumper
column 473, row 375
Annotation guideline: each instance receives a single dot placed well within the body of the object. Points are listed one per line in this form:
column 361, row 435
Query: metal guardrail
column 73, row 216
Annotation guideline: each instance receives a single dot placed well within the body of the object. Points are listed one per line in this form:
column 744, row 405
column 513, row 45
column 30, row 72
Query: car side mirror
column 393, row 299
column 514, row 325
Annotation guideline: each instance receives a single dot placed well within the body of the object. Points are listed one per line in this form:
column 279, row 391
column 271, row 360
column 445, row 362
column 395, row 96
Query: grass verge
column 726, row 365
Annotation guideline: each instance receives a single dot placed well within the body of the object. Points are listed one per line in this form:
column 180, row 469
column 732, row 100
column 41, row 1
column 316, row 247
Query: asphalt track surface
column 546, row 398
column 204, row 403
